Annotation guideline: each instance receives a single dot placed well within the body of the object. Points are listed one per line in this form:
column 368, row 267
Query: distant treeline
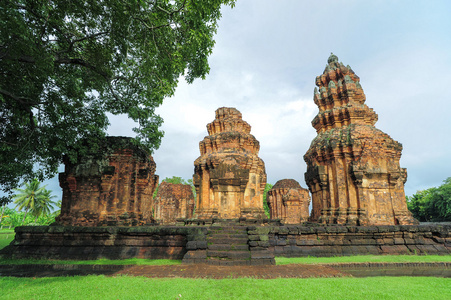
column 432, row 205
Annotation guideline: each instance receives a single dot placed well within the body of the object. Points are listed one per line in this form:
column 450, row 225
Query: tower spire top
column 332, row 58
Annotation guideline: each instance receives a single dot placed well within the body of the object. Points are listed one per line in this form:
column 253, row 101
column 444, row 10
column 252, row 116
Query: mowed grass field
column 128, row 287
column 6, row 237
column 125, row 287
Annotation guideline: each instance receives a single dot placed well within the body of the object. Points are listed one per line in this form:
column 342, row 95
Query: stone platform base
column 87, row 243
column 225, row 243
column 301, row 241
column 228, row 222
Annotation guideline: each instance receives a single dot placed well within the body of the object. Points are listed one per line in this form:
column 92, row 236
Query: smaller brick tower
column 173, row 201
column 289, row 202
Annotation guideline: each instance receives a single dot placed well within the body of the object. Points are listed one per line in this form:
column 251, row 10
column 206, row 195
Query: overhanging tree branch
column 58, row 51
column 22, row 100
column 81, row 62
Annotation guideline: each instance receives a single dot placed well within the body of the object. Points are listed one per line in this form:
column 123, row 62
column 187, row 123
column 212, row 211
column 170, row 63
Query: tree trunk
column 26, row 211
column 1, row 217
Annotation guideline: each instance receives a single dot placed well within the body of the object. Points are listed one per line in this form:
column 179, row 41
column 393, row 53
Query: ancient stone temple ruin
column 111, row 187
column 173, row 201
column 353, row 169
column 289, row 202
column 353, row 174
column 229, row 176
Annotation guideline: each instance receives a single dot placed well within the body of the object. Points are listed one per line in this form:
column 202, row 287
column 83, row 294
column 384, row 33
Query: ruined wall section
column 172, row 202
column 353, row 169
column 289, row 202
column 112, row 187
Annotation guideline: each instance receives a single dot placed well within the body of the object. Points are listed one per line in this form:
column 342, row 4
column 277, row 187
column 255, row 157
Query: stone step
column 231, row 232
column 222, row 262
column 228, row 230
column 216, row 226
column 227, row 241
column 226, row 236
column 235, row 255
column 227, row 247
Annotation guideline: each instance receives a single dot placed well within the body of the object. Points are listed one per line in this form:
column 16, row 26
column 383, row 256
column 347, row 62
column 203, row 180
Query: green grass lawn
column 6, row 237
column 125, row 287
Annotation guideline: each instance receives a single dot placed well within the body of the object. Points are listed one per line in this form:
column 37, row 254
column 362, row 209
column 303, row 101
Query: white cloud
column 265, row 62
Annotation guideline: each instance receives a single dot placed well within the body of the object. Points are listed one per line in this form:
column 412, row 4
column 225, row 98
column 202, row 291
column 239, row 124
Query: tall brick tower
column 353, row 169
column 229, row 176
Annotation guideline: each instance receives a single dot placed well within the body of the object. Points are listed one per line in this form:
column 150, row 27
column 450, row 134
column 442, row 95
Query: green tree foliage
column 176, row 180
column 432, row 205
column 268, row 186
column 13, row 218
column 34, row 198
column 2, row 208
column 65, row 64
column 45, row 205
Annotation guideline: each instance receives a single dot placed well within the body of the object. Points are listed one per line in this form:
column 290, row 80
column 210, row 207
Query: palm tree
column 33, row 198
column 44, row 204
column 57, row 212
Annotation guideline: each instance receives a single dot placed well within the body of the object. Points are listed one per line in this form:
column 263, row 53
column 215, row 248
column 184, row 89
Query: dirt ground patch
column 438, row 269
column 218, row 272
column 174, row 271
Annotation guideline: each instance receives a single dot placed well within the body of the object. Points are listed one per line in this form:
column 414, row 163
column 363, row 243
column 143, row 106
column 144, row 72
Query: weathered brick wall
column 85, row 243
column 113, row 186
column 259, row 245
column 190, row 242
column 298, row 241
column 172, row 202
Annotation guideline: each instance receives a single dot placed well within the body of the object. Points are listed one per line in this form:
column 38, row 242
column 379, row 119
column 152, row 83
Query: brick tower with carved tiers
column 353, row 170
column 229, row 176
column 112, row 186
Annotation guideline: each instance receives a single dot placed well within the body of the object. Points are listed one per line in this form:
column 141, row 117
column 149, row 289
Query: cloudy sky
column 266, row 59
